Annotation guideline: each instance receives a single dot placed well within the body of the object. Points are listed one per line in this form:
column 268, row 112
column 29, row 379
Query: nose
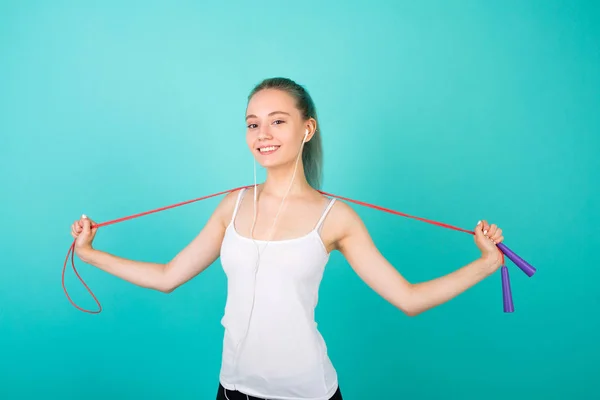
column 263, row 133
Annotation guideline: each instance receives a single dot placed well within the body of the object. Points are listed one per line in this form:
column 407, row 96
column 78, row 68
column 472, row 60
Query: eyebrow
column 272, row 113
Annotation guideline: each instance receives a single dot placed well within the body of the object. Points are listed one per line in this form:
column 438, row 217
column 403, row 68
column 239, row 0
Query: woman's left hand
column 486, row 238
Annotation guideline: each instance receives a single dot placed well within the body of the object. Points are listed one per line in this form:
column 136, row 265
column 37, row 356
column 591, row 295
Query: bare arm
column 144, row 274
column 363, row 256
column 198, row 255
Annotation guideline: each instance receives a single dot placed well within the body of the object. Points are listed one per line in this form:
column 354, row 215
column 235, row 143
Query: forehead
column 270, row 100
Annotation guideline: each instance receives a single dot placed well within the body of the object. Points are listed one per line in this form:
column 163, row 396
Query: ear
column 309, row 130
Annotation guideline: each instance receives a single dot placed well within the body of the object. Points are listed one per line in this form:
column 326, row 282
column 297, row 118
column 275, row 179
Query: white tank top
column 271, row 347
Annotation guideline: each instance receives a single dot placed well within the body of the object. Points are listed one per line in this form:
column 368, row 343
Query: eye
column 278, row 121
column 251, row 126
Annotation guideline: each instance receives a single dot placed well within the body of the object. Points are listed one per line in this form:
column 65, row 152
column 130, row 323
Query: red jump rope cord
column 71, row 252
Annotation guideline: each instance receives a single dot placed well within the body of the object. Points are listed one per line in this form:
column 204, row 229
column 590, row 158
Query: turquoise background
column 454, row 111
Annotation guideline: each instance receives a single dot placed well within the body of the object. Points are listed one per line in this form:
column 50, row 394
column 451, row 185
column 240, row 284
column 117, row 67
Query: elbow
column 166, row 287
column 411, row 306
column 412, row 312
column 408, row 309
column 165, row 283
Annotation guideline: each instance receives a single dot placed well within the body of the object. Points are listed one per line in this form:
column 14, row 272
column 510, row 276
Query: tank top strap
column 320, row 223
column 237, row 204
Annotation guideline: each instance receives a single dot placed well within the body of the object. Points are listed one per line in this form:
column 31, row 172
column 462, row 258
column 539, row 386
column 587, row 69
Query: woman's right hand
column 84, row 234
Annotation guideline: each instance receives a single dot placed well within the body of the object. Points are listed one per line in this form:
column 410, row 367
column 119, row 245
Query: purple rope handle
column 527, row 268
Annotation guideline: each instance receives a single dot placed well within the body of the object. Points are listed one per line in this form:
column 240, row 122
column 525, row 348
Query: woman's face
column 275, row 128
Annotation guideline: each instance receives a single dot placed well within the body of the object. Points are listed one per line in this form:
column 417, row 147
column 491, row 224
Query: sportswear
column 271, row 347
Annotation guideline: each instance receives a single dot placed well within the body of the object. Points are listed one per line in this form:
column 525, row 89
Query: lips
column 264, row 150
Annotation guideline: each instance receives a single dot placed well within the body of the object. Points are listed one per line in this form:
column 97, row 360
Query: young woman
column 274, row 241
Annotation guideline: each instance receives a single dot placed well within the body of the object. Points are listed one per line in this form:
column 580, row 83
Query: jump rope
column 508, row 305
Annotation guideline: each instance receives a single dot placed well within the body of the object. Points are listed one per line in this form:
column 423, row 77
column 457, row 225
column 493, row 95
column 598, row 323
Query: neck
column 279, row 180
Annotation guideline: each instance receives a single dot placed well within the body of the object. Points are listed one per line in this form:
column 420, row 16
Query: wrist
column 490, row 263
column 85, row 253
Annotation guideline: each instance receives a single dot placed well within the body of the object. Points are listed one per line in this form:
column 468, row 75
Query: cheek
column 294, row 141
column 249, row 140
column 287, row 135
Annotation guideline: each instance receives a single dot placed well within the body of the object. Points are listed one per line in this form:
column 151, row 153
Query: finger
column 74, row 232
column 492, row 230
column 486, row 227
column 92, row 225
column 86, row 223
column 479, row 229
column 86, row 218
column 497, row 234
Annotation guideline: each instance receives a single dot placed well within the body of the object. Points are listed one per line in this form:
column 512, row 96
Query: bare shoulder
column 224, row 210
column 343, row 222
column 344, row 214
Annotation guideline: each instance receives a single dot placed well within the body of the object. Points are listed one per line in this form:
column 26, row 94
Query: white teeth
column 264, row 149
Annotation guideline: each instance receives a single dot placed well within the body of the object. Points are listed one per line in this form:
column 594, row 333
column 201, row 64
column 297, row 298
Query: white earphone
column 266, row 242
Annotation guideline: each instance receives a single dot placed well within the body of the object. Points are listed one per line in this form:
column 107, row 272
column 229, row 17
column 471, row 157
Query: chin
column 273, row 162
column 269, row 163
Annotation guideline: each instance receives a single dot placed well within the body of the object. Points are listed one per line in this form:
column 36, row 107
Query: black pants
column 235, row 395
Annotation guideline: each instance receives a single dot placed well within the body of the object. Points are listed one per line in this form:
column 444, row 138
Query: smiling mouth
column 268, row 149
